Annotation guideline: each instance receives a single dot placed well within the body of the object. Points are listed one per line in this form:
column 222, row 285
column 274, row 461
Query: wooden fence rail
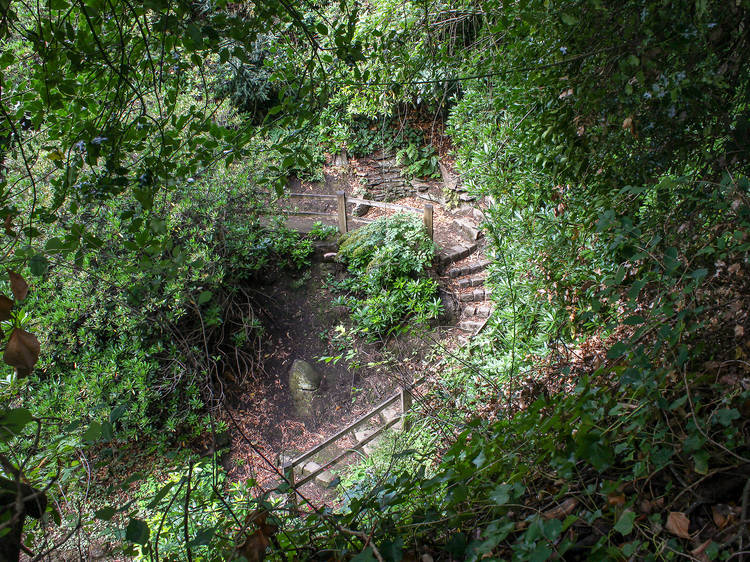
column 404, row 397
column 342, row 200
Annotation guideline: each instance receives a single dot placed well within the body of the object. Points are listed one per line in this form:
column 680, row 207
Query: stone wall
column 382, row 180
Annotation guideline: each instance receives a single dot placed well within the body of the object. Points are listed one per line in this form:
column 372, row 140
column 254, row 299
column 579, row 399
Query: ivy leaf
column 501, row 494
column 624, row 525
column 726, row 416
column 137, row 531
column 700, row 461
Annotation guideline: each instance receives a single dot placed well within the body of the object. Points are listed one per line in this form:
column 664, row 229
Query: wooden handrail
column 347, row 452
column 381, row 204
column 338, row 435
column 315, row 195
column 288, row 468
column 358, row 201
column 314, row 213
column 343, row 200
column 335, row 437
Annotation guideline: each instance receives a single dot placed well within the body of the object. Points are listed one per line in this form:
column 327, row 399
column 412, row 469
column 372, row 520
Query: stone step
column 467, row 282
column 360, row 210
column 380, row 155
column 447, row 256
column 324, row 478
column 468, row 229
column 477, row 295
column 470, row 325
column 420, row 185
column 383, row 176
column 391, row 413
column 427, row 196
column 468, row 269
column 362, row 435
column 387, row 183
column 483, row 311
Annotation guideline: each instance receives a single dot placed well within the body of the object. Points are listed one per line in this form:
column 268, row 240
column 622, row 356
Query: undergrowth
column 388, row 285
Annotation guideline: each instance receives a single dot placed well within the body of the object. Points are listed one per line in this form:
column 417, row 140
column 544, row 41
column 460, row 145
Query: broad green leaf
column 160, row 495
column 501, row 494
column 117, row 412
column 13, row 421
column 105, row 513
column 624, row 524
column 38, row 265
column 203, row 537
column 137, row 531
column 93, row 433
column 568, row 19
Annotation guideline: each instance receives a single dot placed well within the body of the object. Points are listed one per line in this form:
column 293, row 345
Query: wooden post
column 428, row 219
column 406, row 400
column 341, row 196
column 292, row 494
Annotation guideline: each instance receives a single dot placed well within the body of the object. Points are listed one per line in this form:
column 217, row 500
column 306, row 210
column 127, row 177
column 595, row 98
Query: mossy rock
column 304, row 382
column 302, row 376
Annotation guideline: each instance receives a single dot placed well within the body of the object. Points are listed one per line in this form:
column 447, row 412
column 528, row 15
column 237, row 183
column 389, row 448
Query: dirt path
column 302, row 322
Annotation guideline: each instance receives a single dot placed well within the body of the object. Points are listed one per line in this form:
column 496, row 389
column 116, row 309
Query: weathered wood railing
column 342, row 200
column 404, row 396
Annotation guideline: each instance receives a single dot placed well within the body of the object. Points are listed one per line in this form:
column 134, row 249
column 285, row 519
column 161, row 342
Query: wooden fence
column 405, row 398
column 342, row 200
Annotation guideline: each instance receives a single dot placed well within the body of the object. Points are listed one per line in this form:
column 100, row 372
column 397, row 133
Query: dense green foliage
column 388, row 261
column 113, row 337
column 610, row 143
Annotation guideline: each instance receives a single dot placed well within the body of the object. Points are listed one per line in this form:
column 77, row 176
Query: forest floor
column 301, row 321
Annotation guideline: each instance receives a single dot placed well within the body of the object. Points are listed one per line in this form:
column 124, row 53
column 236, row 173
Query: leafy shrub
column 322, row 231
column 388, row 260
column 420, row 162
column 162, row 518
column 124, row 335
column 252, row 248
column 247, row 81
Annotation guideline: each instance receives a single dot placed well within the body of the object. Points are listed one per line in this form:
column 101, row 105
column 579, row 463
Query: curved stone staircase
column 473, row 296
column 462, row 268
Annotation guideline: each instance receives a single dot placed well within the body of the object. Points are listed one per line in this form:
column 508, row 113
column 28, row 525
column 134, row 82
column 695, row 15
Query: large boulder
column 304, row 382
